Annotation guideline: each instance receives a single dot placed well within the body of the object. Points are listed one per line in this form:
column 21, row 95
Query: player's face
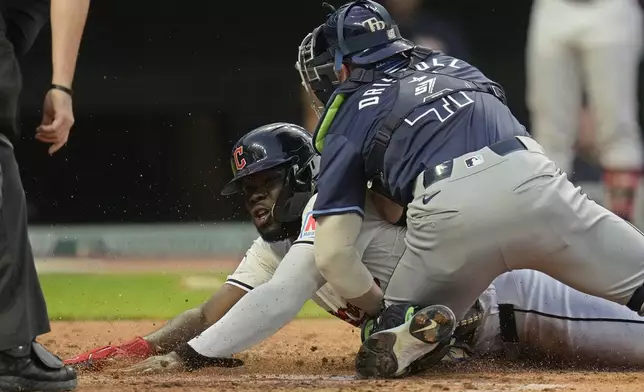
column 261, row 191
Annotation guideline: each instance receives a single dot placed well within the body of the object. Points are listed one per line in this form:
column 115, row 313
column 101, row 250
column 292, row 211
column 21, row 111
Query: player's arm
column 255, row 269
column 262, row 312
column 180, row 329
column 258, row 315
column 192, row 322
column 339, row 209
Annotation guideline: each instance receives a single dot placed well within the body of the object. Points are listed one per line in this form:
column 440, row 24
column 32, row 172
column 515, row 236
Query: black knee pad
column 637, row 300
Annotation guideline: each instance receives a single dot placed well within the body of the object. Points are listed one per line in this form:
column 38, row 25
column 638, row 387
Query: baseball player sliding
column 593, row 45
column 434, row 134
column 550, row 317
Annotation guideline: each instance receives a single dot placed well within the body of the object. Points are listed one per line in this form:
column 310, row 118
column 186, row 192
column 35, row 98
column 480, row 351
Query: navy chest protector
column 406, row 102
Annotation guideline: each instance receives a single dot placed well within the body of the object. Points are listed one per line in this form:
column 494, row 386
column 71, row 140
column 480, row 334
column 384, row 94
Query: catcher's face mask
column 320, row 74
column 361, row 32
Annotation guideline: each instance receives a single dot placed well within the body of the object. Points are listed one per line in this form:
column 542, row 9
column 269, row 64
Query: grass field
column 114, row 296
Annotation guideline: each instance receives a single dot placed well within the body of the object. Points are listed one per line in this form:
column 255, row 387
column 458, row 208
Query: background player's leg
column 568, row 325
column 611, row 58
column 553, row 81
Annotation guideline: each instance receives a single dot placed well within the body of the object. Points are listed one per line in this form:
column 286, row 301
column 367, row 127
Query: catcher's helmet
column 271, row 146
column 359, row 33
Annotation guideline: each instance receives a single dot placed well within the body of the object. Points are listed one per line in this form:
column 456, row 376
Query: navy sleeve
column 341, row 182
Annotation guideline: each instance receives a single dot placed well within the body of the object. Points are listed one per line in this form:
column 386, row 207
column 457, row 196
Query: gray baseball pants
column 496, row 213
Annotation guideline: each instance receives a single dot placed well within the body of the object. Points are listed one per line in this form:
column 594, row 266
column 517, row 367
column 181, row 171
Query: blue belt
column 444, row 170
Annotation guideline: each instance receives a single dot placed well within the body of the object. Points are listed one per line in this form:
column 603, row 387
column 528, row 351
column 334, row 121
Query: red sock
column 620, row 186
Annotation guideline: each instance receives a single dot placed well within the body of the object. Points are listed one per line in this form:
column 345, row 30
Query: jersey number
column 451, row 104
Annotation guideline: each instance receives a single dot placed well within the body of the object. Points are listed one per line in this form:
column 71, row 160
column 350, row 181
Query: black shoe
column 33, row 368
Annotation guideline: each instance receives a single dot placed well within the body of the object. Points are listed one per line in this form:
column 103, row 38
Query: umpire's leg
column 23, row 313
column 24, row 364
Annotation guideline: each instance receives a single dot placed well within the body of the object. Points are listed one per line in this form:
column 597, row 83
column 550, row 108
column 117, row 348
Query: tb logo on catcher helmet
column 374, row 24
column 239, row 163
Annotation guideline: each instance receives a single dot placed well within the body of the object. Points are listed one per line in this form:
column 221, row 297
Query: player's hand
column 57, row 120
column 169, row 363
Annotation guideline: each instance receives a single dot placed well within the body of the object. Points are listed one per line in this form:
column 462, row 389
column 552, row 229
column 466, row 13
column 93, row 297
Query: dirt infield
column 317, row 355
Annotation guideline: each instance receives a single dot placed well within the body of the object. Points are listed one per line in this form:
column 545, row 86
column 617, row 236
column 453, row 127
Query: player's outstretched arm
column 255, row 268
column 179, row 330
column 192, row 322
column 258, row 315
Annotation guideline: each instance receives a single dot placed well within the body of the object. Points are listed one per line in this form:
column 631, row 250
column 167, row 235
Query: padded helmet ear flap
column 289, row 209
column 293, row 198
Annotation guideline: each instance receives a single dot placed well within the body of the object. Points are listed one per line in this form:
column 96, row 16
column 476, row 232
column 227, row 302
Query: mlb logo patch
column 473, row 161
column 308, row 226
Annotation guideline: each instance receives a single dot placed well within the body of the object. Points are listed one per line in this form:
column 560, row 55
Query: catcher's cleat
column 458, row 349
column 137, row 348
column 388, row 353
column 392, row 316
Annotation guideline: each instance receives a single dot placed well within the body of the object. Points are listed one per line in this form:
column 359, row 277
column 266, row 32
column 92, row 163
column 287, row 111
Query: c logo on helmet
column 239, row 163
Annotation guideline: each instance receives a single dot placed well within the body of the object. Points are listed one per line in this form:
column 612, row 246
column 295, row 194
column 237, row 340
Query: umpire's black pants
column 23, row 312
